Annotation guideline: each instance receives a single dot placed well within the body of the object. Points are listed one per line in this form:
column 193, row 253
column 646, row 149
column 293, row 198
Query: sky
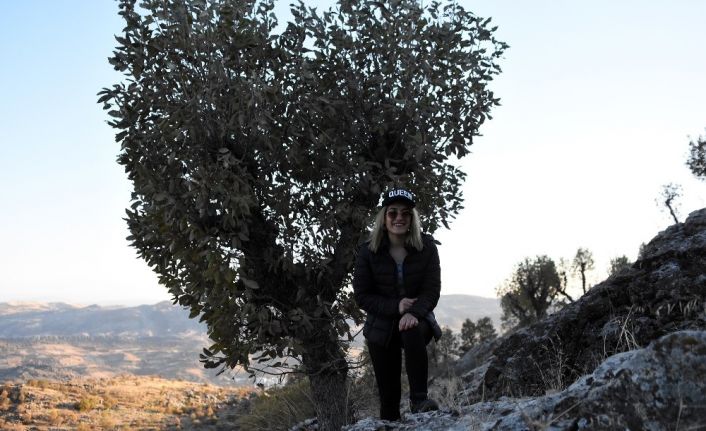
column 599, row 101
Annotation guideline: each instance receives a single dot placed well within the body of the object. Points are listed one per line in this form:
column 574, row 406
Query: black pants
column 387, row 364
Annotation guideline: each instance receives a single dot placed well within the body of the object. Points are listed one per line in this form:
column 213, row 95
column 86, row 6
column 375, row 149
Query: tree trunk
column 327, row 369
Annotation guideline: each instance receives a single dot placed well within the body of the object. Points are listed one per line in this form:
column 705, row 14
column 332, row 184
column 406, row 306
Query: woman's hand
column 408, row 321
column 406, row 304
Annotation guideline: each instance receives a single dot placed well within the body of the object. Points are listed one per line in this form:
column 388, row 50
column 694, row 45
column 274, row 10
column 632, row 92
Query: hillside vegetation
column 120, row 403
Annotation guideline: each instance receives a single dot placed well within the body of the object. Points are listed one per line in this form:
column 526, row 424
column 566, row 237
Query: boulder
column 662, row 292
column 661, row 387
column 476, row 356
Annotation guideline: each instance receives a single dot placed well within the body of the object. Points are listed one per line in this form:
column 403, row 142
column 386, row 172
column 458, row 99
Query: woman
column 397, row 282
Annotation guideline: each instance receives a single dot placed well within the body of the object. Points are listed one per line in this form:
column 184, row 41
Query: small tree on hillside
column 697, row 157
column 563, row 270
column 468, row 335
column 617, row 264
column 530, row 292
column 444, row 351
column 473, row 333
column 485, row 329
column 641, row 251
column 669, row 197
column 582, row 263
column 257, row 158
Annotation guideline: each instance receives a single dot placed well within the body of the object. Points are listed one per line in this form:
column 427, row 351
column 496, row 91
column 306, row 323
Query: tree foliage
column 563, row 269
column 697, row 157
column 257, row 158
column 473, row 333
column 444, row 351
column 617, row 264
column 531, row 291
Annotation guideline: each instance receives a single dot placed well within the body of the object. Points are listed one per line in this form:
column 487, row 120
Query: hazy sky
column 599, row 100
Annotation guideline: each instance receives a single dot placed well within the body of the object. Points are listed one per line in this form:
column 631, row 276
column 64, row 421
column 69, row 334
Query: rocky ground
column 661, row 387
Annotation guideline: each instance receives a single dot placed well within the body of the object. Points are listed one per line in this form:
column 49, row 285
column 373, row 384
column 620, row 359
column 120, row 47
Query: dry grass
column 279, row 408
column 554, row 375
column 126, row 402
column 447, row 391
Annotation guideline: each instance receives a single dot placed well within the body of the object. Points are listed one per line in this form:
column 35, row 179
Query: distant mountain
column 59, row 341
column 26, row 306
column 452, row 310
column 32, row 319
column 19, row 320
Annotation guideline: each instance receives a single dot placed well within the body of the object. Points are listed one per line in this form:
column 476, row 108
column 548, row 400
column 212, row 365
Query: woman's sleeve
column 431, row 285
column 364, row 290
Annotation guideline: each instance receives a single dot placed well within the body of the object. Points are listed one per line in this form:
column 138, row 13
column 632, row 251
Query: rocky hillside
column 630, row 354
column 57, row 341
column 663, row 292
column 103, row 357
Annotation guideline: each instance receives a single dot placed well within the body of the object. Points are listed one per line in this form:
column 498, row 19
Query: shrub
column 109, row 402
column 87, row 403
column 43, row 384
column 107, row 421
column 175, row 410
column 4, row 399
column 9, row 426
column 54, row 418
column 25, row 415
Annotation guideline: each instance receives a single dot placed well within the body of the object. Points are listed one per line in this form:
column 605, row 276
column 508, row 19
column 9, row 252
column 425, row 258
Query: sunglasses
column 392, row 213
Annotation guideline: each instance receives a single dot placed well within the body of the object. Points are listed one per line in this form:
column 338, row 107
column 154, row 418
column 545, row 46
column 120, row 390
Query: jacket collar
column 385, row 245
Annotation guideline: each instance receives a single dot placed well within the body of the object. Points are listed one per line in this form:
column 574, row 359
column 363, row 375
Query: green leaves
column 257, row 158
column 531, row 290
column 697, row 157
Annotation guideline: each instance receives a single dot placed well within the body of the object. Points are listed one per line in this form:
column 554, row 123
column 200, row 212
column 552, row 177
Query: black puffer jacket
column 376, row 292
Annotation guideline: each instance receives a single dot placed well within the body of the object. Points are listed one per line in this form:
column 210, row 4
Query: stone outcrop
column 660, row 387
column 477, row 355
column 662, row 292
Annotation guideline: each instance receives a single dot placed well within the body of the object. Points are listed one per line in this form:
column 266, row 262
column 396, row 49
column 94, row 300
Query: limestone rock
column 661, row 387
column 476, row 356
column 430, row 421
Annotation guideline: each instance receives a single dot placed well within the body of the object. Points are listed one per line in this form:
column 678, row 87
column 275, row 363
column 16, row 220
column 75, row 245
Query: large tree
column 530, row 293
column 257, row 157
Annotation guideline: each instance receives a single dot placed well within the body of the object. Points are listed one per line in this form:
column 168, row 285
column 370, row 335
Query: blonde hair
column 414, row 235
